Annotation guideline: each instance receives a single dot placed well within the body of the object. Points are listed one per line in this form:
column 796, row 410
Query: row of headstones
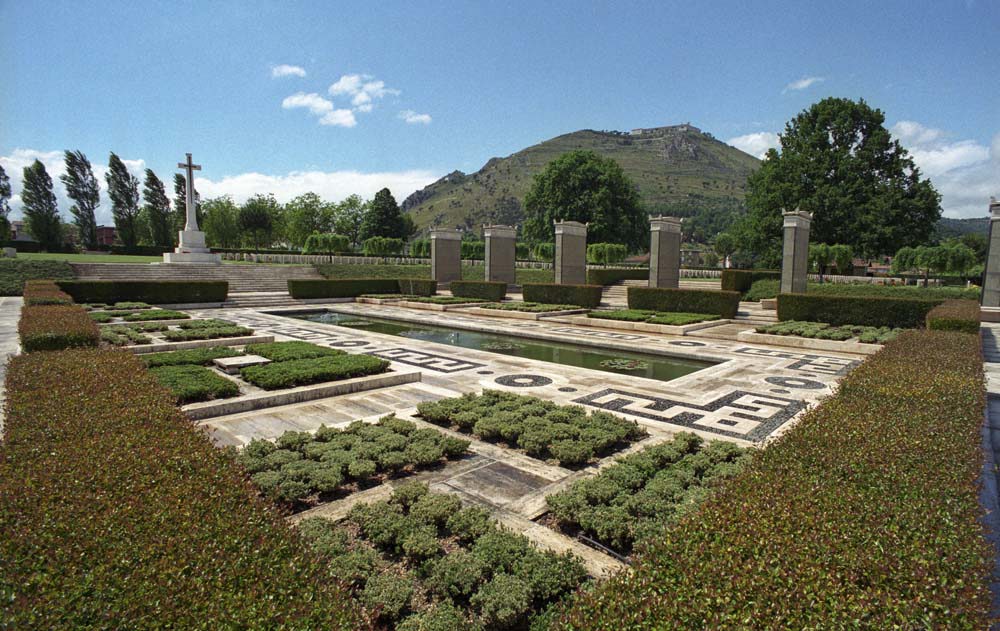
column 571, row 253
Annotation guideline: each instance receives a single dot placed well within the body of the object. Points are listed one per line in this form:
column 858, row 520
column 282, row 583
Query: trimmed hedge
column 725, row 304
column 865, row 514
column 56, row 327
column 354, row 287
column 955, row 315
column 492, row 291
column 153, row 292
column 741, row 279
column 303, row 372
column 14, row 274
column 588, row 296
column 194, row 356
column 288, row 351
column 117, row 512
column 823, row 331
column 190, row 383
column 597, row 276
column 902, row 313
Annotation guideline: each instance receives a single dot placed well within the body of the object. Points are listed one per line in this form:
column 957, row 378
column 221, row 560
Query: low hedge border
column 954, row 315
column 303, row 372
column 152, row 292
column 902, row 313
column 587, row 296
column 116, row 511
column 741, row 279
column 864, row 514
column 14, row 274
column 354, row 287
column 191, row 383
column 597, row 276
column 53, row 327
column 725, row 304
column 486, row 290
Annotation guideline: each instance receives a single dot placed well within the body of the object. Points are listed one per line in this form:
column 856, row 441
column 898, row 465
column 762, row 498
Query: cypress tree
column 157, row 210
column 5, row 195
column 41, row 213
column 123, row 189
column 82, row 188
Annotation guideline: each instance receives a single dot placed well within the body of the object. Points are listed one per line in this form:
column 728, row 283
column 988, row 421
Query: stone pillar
column 795, row 255
column 571, row 253
column 665, row 252
column 500, row 253
column 446, row 255
column 991, row 282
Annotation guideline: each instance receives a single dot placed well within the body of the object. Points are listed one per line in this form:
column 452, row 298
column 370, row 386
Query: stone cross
column 191, row 222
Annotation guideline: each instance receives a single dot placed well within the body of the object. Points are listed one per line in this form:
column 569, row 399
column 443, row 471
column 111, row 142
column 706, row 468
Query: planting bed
column 190, row 383
column 823, row 331
column 301, row 469
column 565, row 434
column 653, row 317
column 145, row 333
column 422, row 562
column 522, row 310
column 135, row 314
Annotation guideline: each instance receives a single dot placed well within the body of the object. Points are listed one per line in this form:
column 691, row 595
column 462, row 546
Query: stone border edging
column 808, row 343
column 142, row 349
column 520, row 315
column 645, row 327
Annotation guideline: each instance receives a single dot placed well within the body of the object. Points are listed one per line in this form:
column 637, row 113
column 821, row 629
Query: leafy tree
column 82, row 188
column 383, row 218
column 41, row 213
column 710, row 259
column 725, row 246
column 583, row 186
column 221, row 223
column 123, row 189
column 348, row 217
column 839, row 162
column 977, row 242
column 157, row 210
column 953, row 257
column 5, row 195
column 819, row 258
column 842, row 256
column 305, row 215
column 257, row 217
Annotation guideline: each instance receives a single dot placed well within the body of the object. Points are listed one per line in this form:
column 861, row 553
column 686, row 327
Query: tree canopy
column 157, row 210
column 41, row 213
column 5, row 195
column 383, row 218
column 839, row 162
column 82, row 188
column 586, row 187
column 123, row 189
column 258, row 217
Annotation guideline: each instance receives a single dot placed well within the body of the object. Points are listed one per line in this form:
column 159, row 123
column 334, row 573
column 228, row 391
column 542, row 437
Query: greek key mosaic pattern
column 429, row 361
column 739, row 414
column 594, row 333
column 835, row 366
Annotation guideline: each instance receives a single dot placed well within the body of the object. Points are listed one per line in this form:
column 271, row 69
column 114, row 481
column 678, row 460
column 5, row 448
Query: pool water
column 634, row 364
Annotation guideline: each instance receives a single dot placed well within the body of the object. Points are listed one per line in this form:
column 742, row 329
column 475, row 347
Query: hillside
column 957, row 227
column 677, row 169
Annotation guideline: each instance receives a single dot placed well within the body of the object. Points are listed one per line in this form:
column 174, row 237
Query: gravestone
column 991, row 285
column 10, row 253
column 500, row 253
column 665, row 252
column 571, row 253
column 795, row 254
column 446, row 255
column 191, row 246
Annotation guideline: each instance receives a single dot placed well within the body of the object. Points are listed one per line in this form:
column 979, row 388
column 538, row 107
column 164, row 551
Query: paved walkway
column 10, row 311
column 990, row 493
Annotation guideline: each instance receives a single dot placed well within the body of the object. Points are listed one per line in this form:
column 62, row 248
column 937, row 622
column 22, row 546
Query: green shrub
column 435, row 509
column 866, row 311
column 470, row 523
column 528, row 307
column 446, row 300
column 440, row 617
column 155, row 314
column 152, row 292
column 544, row 252
column 210, row 333
column 382, row 246
column 899, row 446
column 588, row 296
column 725, row 304
column 326, row 243
column 301, row 372
column 503, row 601
column 599, row 276
column 56, row 327
column 286, row 351
column 194, row 383
column 207, row 323
column 894, row 291
column 101, row 474
column 420, row 248
column 740, row 280
column 417, row 287
column 764, row 289
column 407, row 493
column 121, row 335
column 955, row 315
column 823, row 331
column 340, row 288
column 14, row 273
column 492, row 291
column 473, row 250
column 606, row 253
column 622, row 315
column 388, row 595
column 680, row 319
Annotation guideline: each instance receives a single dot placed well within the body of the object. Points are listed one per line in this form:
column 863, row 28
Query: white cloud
column 802, row 83
column 285, row 70
column 413, row 118
column 362, row 89
column 756, row 144
column 339, row 118
column 313, row 102
column 347, row 84
column 55, row 166
column 330, row 185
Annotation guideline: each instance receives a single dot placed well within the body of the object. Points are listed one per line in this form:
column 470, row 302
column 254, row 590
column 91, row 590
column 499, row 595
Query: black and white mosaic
column 686, row 343
column 523, row 381
column 739, row 414
column 349, row 344
column 795, row 382
column 422, row 359
column 825, row 364
column 601, row 334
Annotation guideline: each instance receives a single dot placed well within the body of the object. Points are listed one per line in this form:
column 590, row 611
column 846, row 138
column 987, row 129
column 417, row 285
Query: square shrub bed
column 823, row 331
column 903, row 313
column 484, row 290
column 303, row 372
column 955, row 315
column 529, row 307
column 194, row 356
column 740, row 280
column 866, row 513
column 286, row 351
column 15, row 273
column 587, row 296
column 724, row 304
column 155, row 314
column 118, row 513
column 425, row 563
column 120, row 335
column 635, row 498
column 55, row 327
column 152, row 292
column 652, row 317
column 417, row 286
column 300, row 468
column 341, row 288
column 206, row 333
column 566, row 434
column 194, row 383
column 446, row 300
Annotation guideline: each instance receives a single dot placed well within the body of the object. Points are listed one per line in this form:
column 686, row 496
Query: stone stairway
column 751, row 313
column 242, row 278
column 616, row 295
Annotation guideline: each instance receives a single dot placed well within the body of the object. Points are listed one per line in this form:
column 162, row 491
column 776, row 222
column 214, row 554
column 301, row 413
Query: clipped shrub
column 341, row 288
column 765, row 288
column 725, row 304
column 152, row 292
column 388, row 595
column 301, row 372
column 484, row 290
column 206, row 333
column 287, row 351
column 417, row 286
column 15, row 273
column 588, row 296
column 606, row 253
column 867, row 311
column 742, row 279
column 954, row 315
column 326, row 243
column 194, row 383
column 56, row 327
column 503, row 601
column 544, row 252
column 598, row 276
column 141, row 315
column 382, row 246
column 420, row 248
column 473, row 250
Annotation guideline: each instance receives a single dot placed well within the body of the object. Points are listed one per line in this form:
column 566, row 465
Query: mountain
column 947, row 228
column 678, row 170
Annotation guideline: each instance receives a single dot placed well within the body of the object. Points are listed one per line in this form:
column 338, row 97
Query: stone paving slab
column 10, row 313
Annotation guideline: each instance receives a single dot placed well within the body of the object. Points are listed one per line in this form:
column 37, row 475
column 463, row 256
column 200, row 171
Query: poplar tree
column 157, row 210
column 5, row 195
column 82, row 188
column 41, row 213
column 123, row 189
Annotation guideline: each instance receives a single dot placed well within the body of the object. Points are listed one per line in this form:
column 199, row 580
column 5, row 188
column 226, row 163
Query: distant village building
column 19, row 231
column 106, row 235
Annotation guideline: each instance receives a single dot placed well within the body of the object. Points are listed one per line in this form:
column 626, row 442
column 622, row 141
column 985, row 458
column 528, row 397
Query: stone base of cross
column 191, row 246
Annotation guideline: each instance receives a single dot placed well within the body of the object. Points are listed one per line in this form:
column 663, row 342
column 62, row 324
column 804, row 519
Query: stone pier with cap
column 446, row 255
column 571, row 253
column 795, row 254
column 665, row 252
column 500, row 253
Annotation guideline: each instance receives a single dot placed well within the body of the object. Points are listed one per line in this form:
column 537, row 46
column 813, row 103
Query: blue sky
column 285, row 97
